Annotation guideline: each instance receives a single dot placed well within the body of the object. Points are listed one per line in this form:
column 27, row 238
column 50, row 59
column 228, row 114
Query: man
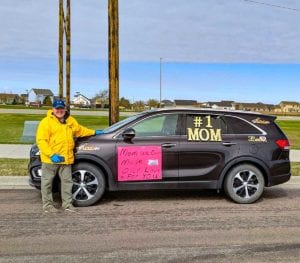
column 55, row 140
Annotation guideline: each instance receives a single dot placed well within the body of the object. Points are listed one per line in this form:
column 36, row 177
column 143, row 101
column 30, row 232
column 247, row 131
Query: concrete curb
column 14, row 182
column 21, row 182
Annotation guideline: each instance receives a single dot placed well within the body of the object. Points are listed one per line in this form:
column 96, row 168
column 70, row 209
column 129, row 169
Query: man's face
column 60, row 112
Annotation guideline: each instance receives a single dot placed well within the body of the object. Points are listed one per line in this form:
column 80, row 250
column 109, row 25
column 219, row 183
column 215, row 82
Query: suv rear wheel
column 88, row 184
column 244, row 184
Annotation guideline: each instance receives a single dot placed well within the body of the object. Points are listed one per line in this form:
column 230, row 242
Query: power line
column 278, row 6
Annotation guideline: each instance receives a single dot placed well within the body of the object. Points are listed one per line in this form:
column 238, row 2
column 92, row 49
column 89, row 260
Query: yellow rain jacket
column 54, row 137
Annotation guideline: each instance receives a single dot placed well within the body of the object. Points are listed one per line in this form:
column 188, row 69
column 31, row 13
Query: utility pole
column 64, row 29
column 113, row 55
column 160, row 77
column 61, row 49
column 68, row 53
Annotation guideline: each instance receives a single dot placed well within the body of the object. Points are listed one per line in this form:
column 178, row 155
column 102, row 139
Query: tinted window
column 163, row 125
column 239, row 126
column 204, row 127
column 204, row 121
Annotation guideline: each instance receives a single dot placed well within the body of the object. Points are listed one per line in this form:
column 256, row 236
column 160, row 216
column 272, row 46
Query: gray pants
column 48, row 173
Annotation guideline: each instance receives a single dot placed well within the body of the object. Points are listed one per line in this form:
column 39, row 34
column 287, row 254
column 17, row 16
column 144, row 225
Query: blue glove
column 56, row 158
column 98, row 132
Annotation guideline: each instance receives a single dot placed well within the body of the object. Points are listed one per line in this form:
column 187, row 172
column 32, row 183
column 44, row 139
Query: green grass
column 12, row 125
column 292, row 130
column 295, row 169
column 14, row 167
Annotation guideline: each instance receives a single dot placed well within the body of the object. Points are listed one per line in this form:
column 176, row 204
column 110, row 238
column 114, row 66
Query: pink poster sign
column 139, row 163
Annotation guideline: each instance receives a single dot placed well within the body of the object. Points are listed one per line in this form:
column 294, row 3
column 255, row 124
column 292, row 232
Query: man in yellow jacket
column 55, row 140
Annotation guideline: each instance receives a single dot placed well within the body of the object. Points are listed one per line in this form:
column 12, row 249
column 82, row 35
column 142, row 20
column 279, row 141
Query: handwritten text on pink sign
column 139, row 163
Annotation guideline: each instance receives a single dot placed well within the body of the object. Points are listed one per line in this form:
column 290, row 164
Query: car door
column 205, row 147
column 158, row 134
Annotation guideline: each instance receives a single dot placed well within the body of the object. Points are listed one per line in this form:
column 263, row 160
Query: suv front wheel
column 88, row 184
column 244, row 184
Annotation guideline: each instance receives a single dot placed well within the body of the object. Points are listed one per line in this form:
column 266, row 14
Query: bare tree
column 101, row 97
column 152, row 103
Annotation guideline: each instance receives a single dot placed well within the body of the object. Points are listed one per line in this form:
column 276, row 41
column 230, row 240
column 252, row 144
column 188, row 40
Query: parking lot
column 154, row 226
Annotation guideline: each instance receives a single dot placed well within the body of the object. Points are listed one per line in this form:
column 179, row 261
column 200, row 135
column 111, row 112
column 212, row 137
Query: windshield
column 121, row 123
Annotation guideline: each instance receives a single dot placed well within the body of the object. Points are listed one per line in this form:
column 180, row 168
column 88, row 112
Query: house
column 185, row 103
column 39, row 95
column 100, row 102
column 260, row 107
column 277, row 109
column 289, row 106
column 167, row 103
column 80, row 100
column 6, row 98
column 23, row 98
column 223, row 105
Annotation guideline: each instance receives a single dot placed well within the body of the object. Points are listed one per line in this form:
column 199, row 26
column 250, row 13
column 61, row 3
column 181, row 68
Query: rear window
column 239, row 126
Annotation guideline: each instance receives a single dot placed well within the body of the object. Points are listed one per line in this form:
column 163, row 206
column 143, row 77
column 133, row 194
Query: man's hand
column 98, row 132
column 56, row 158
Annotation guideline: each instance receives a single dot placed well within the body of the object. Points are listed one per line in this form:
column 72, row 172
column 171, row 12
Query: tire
column 244, row 184
column 88, row 184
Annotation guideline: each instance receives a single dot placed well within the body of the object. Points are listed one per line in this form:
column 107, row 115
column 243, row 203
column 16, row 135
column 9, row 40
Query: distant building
column 6, row 98
column 100, row 102
column 80, row 100
column 167, row 103
column 23, row 98
column 185, row 103
column 222, row 105
column 289, row 106
column 39, row 95
column 261, row 107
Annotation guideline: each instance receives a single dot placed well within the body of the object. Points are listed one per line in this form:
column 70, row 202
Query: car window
column 204, row 127
column 240, row 126
column 163, row 125
column 119, row 124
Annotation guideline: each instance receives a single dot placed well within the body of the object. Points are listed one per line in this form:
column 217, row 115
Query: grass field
column 292, row 130
column 12, row 126
column 18, row 167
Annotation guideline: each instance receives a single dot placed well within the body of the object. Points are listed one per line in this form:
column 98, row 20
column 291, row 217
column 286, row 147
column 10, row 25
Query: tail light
column 283, row 144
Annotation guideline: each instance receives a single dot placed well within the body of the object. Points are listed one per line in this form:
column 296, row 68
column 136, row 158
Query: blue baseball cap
column 58, row 104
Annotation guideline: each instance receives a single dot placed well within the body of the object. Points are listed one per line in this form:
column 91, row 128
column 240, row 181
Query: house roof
column 290, row 102
column 167, row 102
column 46, row 92
column 259, row 104
column 185, row 102
column 222, row 103
column 8, row 96
column 79, row 94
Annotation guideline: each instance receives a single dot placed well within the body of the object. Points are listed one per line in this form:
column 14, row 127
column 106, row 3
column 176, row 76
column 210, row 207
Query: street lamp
column 160, row 76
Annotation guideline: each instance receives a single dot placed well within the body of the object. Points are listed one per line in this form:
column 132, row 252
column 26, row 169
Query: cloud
column 213, row 31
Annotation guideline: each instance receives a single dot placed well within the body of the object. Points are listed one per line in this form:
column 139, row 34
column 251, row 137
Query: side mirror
column 128, row 134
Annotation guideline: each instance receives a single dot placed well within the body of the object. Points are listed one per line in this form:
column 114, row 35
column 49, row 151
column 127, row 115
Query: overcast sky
column 191, row 36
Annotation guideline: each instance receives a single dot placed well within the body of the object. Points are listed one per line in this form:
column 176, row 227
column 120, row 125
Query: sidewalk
column 21, row 151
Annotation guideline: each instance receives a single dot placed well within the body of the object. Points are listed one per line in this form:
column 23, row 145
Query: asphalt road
column 164, row 226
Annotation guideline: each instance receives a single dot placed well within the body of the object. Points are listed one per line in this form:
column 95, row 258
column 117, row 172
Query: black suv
column 240, row 152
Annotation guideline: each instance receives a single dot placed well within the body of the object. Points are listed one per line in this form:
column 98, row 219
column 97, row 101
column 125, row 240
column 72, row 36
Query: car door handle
column 228, row 143
column 168, row 145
